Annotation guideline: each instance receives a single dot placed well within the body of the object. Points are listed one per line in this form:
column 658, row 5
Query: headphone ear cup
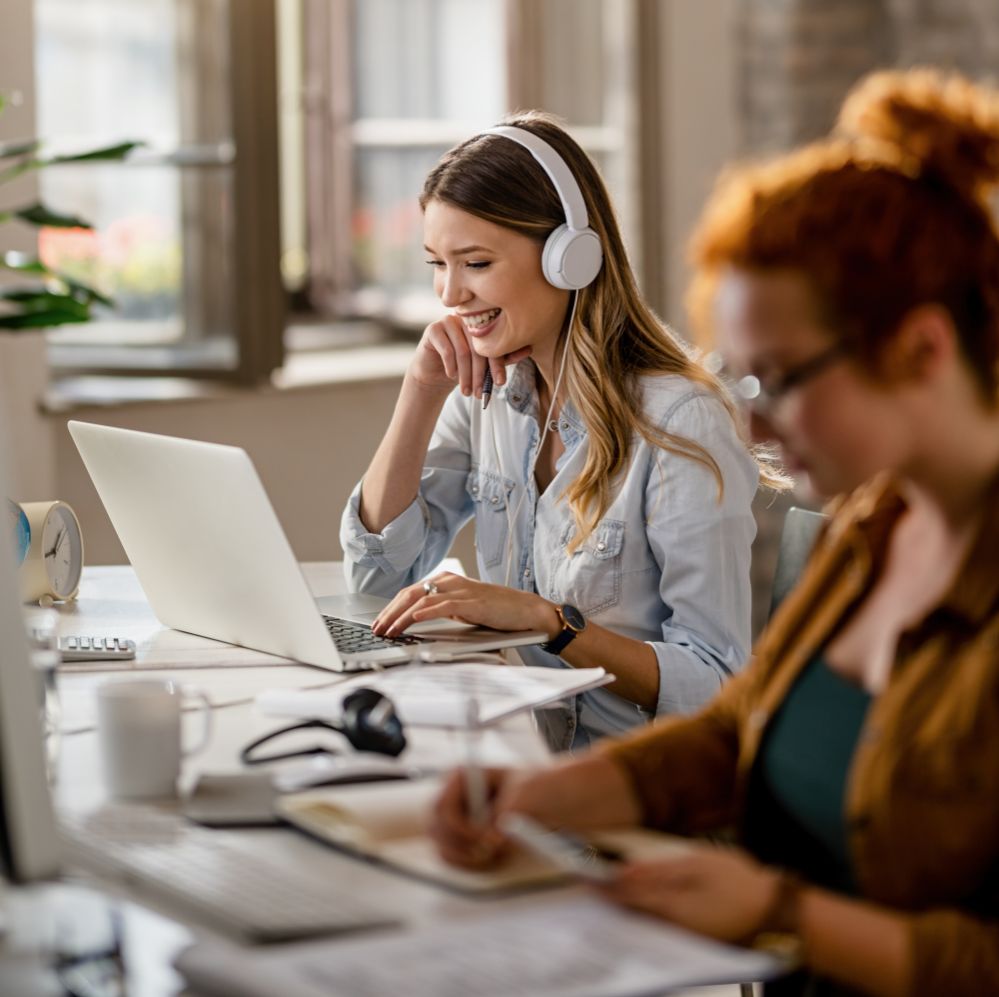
column 370, row 723
column 571, row 258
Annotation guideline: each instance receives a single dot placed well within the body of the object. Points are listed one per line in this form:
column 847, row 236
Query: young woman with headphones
column 609, row 484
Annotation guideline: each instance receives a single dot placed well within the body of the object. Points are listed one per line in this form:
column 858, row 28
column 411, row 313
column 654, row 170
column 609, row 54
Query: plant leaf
column 23, row 263
column 34, row 300
column 39, row 214
column 24, row 147
column 40, row 320
column 108, row 152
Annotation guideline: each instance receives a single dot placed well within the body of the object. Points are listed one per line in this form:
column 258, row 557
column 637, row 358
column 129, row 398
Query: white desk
column 111, row 602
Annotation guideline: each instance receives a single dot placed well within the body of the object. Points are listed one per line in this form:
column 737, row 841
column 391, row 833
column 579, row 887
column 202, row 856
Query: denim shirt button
column 527, row 572
column 601, row 546
column 494, row 500
column 563, row 426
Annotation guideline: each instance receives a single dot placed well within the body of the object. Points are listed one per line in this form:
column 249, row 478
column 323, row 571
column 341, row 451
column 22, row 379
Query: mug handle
column 195, row 692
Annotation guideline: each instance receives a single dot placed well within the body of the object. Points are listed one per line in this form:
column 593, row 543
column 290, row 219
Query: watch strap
column 561, row 640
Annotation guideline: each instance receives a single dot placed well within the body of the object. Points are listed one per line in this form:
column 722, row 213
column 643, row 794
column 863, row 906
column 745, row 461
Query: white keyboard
column 208, row 873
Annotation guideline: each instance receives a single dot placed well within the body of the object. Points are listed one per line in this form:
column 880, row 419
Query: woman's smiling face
column 490, row 276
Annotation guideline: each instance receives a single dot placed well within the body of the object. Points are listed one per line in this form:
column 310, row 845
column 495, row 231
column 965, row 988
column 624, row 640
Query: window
column 187, row 230
column 355, row 100
column 392, row 84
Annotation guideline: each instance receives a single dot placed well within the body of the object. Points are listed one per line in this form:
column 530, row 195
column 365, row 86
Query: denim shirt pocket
column 490, row 494
column 595, row 568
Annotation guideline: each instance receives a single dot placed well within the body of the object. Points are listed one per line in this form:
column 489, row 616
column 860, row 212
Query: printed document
column 438, row 695
column 577, row 946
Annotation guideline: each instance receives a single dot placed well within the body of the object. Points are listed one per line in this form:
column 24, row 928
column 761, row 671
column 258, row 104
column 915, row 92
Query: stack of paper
column 570, row 947
column 438, row 695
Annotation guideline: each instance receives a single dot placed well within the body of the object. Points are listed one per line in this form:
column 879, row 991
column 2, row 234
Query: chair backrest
column 801, row 527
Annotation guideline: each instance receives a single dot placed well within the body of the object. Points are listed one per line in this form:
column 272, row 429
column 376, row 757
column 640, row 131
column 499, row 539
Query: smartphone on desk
column 572, row 854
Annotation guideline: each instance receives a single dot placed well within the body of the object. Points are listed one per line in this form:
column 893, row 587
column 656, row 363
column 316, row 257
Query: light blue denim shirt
column 667, row 564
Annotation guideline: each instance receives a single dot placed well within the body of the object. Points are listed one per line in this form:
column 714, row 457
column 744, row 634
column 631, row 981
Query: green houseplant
column 44, row 298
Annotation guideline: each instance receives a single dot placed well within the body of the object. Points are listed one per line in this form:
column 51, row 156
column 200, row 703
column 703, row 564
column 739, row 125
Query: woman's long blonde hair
column 615, row 337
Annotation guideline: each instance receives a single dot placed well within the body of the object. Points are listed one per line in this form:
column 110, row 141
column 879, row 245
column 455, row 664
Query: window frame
column 245, row 285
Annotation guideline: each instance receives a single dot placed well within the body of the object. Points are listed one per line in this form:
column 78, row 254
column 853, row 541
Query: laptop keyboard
column 353, row 638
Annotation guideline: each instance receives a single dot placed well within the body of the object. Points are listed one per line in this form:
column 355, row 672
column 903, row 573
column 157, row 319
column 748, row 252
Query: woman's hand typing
column 450, row 596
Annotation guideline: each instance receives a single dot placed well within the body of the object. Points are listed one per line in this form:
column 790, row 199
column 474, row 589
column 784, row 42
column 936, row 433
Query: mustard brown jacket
column 922, row 796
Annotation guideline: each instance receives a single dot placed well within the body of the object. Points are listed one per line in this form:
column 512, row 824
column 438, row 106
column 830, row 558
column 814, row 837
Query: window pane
column 153, row 71
column 433, row 59
column 387, row 222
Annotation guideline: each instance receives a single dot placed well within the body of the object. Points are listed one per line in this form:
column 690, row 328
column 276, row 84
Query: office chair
column 797, row 538
column 801, row 527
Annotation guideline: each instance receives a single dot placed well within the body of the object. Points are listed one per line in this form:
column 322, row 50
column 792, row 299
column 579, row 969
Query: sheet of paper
column 438, row 695
column 576, row 946
column 225, row 687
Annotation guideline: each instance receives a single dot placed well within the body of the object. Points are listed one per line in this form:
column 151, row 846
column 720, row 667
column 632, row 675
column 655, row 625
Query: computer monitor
column 29, row 844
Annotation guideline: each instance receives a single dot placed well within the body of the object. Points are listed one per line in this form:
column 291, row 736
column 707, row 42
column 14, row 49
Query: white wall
column 310, row 446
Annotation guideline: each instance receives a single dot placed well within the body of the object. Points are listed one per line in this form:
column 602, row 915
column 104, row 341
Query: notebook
column 388, row 822
column 213, row 560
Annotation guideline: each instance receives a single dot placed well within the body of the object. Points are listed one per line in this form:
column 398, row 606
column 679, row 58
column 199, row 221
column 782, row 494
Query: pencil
column 475, row 780
column 487, row 388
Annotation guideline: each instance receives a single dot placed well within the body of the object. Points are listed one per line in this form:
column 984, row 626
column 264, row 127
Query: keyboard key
column 354, row 638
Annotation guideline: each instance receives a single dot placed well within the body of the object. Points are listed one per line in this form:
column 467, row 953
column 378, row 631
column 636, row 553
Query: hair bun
column 937, row 123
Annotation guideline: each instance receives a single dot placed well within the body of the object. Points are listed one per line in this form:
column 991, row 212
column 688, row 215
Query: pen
column 475, row 781
column 487, row 388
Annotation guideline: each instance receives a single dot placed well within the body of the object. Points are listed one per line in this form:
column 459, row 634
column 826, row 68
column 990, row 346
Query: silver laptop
column 212, row 558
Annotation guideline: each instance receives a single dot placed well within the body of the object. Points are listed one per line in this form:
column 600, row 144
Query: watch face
column 573, row 617
column 62, row 549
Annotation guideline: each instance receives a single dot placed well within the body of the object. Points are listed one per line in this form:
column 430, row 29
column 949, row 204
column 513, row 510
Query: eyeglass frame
column 761, row 398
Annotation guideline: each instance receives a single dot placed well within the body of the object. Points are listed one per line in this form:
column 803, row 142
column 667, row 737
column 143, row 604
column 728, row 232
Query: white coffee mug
column 139, row 732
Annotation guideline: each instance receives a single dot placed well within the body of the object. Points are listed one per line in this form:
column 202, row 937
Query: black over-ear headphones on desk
column 369, row 723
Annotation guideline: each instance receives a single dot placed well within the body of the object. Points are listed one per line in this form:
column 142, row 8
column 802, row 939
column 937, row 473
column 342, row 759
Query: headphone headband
column 558, row 172
column 572, row 256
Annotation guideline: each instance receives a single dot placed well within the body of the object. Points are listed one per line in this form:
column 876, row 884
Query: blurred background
column 263, row 247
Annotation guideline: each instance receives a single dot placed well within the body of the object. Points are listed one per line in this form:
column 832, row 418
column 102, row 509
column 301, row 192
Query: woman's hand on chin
column 455, row 597
column 445, row 358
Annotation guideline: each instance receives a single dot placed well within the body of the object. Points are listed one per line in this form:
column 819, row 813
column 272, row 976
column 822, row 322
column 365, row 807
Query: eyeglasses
column 762, row 395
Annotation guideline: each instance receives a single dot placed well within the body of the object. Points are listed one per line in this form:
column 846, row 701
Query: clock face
column 62, row 550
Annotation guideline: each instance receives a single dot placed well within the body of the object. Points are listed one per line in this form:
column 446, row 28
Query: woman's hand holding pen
column 445, row 357
column 589, row 792
column 450, row 596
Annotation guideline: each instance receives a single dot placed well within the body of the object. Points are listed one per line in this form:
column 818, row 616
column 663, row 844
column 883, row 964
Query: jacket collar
column 521, row 394
column 875, row 509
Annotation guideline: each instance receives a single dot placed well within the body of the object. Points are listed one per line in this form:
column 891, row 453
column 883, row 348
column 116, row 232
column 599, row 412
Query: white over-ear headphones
column 572, row 256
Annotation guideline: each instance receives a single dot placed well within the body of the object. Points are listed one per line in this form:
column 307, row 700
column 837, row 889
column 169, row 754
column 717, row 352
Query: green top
column 801, row 775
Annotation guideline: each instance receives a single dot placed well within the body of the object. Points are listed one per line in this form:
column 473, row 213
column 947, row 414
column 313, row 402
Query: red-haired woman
column 854, row 286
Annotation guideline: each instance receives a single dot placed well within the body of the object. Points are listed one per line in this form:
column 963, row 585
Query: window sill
column 301, row 372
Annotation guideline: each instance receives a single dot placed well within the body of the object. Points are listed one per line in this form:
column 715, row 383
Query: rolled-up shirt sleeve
column 420, row 537
column 701, row 541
